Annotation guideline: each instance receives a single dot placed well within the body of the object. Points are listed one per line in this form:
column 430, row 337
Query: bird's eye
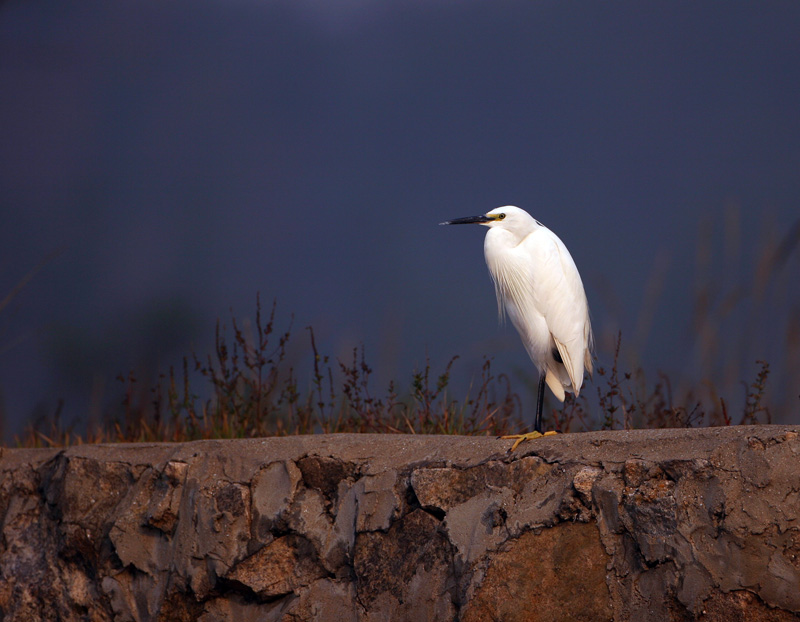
column 501, row 216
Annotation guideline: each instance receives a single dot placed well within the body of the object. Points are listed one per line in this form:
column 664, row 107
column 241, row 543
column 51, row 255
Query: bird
column 538, row 287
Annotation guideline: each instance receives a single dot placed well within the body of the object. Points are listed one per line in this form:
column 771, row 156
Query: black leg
column 537, row 423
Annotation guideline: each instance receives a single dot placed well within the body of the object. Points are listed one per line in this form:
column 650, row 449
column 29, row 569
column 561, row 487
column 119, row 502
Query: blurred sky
column 179, row 157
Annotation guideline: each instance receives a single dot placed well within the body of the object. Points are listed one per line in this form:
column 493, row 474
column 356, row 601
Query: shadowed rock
column 642, row 525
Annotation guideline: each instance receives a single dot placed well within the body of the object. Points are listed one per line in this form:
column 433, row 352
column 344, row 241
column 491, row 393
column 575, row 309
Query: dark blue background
column 183, row 156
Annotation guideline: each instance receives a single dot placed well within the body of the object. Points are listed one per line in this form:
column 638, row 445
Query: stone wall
column 643, row 525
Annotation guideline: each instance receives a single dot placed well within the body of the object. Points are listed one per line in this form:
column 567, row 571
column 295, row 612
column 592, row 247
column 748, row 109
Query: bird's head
column 509, row 217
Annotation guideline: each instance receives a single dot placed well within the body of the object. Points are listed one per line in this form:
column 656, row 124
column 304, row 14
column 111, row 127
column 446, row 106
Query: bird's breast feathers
column 538, row 286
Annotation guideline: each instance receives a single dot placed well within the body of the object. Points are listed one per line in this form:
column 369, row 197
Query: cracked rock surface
column 640, row 525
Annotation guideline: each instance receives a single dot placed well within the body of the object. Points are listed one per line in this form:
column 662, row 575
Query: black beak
column 467, row 221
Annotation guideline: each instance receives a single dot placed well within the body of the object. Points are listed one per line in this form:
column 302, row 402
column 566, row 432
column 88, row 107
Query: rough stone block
column 641, row 525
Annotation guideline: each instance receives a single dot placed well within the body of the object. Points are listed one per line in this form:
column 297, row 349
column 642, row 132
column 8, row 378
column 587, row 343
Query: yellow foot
column 527, row 437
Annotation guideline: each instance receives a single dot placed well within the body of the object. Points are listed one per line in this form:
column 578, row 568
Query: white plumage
column 539, row 288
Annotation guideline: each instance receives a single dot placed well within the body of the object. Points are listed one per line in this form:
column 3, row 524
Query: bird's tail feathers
column 587, row 357
column 571, row 375
column 556, row 385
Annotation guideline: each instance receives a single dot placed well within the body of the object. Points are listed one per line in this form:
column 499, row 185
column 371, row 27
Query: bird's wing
column 512, row 272
column 558, row 295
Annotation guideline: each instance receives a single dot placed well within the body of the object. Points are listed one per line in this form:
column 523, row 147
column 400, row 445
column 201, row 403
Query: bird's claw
column 526, row 437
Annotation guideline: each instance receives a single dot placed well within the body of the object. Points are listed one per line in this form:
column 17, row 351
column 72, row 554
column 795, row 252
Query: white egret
column 538, row 286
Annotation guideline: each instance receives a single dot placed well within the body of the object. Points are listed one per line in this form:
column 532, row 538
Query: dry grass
column 247, row 388
column 625, row 401
column 255, row 393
